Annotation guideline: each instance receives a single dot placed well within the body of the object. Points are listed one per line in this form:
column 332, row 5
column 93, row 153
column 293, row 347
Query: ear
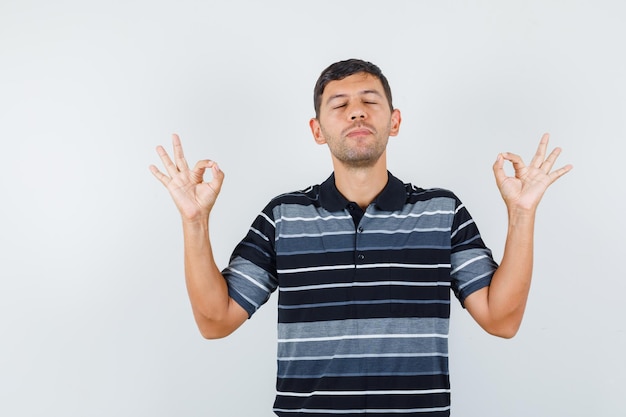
column 316, row 130
column 396, row 119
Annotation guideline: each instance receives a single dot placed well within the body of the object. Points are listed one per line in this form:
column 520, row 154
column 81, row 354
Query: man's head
column 342, row 69
column 355, row 117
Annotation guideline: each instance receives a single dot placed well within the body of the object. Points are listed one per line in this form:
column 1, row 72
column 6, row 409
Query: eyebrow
column 361, row 93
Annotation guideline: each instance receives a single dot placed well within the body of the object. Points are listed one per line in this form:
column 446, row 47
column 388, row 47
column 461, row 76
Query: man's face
column 355, row 120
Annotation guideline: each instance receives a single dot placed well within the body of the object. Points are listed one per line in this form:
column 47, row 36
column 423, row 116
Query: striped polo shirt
column 364, row 296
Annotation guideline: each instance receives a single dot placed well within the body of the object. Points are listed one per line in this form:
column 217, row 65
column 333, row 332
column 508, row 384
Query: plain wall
column 94, row 316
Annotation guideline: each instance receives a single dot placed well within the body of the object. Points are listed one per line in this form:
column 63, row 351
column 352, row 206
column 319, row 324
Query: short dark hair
column 342, row 69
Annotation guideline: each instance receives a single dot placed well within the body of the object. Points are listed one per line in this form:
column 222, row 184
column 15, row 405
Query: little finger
column 164, row 179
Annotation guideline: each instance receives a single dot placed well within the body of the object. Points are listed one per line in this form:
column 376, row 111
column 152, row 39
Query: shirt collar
column 391, row 198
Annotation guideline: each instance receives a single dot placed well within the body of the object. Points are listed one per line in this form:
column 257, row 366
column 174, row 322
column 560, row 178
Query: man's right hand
column 193, row 196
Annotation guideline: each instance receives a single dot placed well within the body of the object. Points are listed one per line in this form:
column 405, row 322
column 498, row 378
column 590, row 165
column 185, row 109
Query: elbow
column 504, row 334
column 505, row 324
column 209, row 335
column 504, row 331
column 210, row 331
column 218, row 328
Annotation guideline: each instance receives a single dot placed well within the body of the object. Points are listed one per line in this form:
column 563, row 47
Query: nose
column 357, row 112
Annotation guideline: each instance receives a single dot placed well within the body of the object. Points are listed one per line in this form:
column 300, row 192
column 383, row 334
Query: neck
column 363, row 184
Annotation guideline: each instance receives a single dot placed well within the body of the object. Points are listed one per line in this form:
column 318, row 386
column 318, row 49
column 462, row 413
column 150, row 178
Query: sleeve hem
column 245, row 304
column 472, row 288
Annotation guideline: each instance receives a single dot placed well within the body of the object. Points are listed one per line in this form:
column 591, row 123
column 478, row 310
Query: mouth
column 358, row 132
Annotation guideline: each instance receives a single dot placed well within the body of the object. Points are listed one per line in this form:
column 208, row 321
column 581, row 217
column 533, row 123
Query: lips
column 359, row 131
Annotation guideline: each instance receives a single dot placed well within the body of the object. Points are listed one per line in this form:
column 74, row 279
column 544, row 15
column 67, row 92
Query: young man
column 364, row 263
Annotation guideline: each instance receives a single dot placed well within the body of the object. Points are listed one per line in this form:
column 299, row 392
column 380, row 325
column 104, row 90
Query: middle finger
column 181, row 162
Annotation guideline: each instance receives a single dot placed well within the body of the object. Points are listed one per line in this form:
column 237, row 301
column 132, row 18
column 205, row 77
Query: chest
column 389, row 264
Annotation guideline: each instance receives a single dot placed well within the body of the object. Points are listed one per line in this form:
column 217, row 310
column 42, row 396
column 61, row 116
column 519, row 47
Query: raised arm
column 216, row 314
column 499, row 308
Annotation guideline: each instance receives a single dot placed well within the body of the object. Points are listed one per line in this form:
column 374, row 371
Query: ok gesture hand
column 525, row 189
column 193, row 197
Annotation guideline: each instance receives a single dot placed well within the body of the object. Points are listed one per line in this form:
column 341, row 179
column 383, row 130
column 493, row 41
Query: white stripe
column 260, row 234
column 405, row 231
column 290, row 236
column 365, row 266
column 363, row 336
column 364, row 284
column 398, row 265
column 461, row 227
column 362, row 355
column 250, row 300
column 404, row 216
column 249, row 278
column 474, row 280
column 381, row 392
column 315, row 268
column 311, row 219
column 383, row 232
column 268, row 219
column 463, row 265
column 367, row 410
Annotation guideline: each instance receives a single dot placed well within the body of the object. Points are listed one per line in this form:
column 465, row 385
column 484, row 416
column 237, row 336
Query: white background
column 94, row 317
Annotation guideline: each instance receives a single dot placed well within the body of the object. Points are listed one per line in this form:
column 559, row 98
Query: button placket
column 360, row 256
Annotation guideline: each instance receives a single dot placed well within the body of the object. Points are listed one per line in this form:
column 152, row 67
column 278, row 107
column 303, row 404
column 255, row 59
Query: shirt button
column 360, row 229
column 360, row 257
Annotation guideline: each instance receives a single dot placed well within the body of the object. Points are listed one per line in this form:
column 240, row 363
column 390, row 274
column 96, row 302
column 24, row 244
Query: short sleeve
column 472, row 263
column 251, row 272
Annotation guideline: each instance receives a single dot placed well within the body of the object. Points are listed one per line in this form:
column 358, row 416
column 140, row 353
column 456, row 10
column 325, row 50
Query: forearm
column 508, row 292
column 207, row 289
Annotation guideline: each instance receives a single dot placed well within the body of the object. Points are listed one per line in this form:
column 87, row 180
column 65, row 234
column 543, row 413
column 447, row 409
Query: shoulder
column 307, row 197
column 417, row 194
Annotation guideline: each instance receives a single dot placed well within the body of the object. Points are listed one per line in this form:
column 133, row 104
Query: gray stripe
column 466, row 270
column 418, row 346
column 363, row 336
column 353, row 327
column 251, row 282
column 296, row 219
column 344, row 241
column 364, row 302
column 336, row 243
